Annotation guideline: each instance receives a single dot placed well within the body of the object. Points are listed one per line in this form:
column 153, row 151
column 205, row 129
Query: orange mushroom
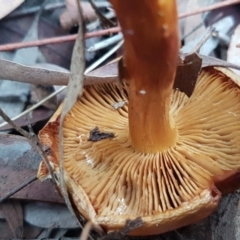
column 160, row 155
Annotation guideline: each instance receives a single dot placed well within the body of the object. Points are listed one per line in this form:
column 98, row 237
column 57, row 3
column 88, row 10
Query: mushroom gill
column 110, row 181
column 168, row 155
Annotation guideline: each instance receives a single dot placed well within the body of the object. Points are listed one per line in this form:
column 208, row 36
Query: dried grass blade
column 75, row 86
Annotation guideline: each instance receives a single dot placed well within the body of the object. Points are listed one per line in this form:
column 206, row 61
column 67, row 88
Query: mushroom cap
column 109, row 182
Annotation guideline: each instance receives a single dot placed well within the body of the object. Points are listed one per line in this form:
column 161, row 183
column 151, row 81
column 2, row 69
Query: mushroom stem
column 150, row 31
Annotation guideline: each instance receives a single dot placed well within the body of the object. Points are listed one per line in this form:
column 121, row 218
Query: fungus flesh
column 170, row 156
column 171, row 188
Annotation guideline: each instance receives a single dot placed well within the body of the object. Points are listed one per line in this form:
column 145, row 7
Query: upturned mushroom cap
column 110, row 182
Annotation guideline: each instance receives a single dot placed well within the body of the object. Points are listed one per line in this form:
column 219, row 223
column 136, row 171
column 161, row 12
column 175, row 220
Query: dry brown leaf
column 233, row 54
column 8, row 6
column 70, row 17
column 74, row 89
column 107, row 73
column 22, row 73
column 191, row 64
column 38, row 92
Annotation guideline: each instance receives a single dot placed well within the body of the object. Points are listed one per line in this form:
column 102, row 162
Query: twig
column 206, row 36
column 19, row 129
column 34, row 106
column 130, row 225
column 209, row 8
column 17, row 189
column 104, row 57
column 192, row 31
column 54, row 40
column 14, row 46
column 106, row 43
column 33, row 140
column 87, row 229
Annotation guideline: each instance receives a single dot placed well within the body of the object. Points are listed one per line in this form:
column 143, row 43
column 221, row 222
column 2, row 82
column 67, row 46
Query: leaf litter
column 221, row 224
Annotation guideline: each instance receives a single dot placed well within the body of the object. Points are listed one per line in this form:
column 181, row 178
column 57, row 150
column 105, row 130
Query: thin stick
column 206, row 36
column 209, row 8
column 106, row 43
column 17, row 128
column 104, row 57
column 14, row 46
column 34, row 106
column 54, row 40
column 17, row 189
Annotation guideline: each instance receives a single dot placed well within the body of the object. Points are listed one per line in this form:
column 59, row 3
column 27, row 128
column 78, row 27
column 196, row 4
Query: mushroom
column 161, row 155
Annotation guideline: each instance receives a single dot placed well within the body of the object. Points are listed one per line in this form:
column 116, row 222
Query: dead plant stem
column 74, row 87
column 209, row 8
column 54, row 40
column 62, row 39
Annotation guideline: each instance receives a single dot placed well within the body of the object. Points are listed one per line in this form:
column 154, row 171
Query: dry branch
column 209, row 8
column 54, row 40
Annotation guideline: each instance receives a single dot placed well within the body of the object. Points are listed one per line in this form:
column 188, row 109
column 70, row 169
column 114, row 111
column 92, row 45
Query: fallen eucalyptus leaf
column 8, row 6
column 5, row 230
column 74, row 89
column 24, row 56
column 28, row 74
column 237, row 221
column 46, row 215
column 233, row 53
column 40, row 91
column 108, row 73
column 18, row 162
column 208, row 61
column 12, row 212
